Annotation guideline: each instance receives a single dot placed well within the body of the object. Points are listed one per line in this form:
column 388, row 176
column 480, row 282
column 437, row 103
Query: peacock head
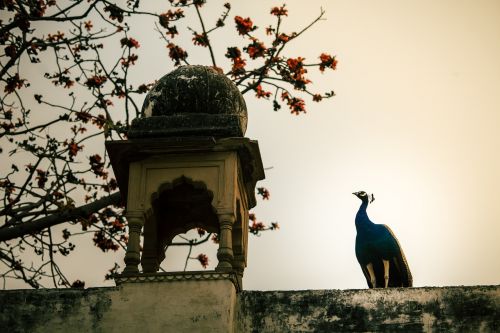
column 365, row 197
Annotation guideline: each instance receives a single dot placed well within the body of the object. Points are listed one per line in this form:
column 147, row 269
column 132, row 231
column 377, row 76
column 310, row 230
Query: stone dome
column 192, row 101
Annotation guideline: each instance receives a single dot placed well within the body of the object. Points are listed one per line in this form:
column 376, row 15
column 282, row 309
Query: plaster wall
column 448, row 309
column 175, row 306
column 214, row 306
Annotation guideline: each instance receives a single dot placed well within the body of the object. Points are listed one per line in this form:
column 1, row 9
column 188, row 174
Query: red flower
column 203, row 259
column 233, row 52
column 38, row 8
column 171, row 16
column 57, row 195
column 255, row 227
column 200, row 39
column 176, row 53
column 244, row 26
column 103, row 242
column 99, row 121
column 96, row 81
column 9, row 187
column 74, row 148
column 296, row 65
column 327, row 61
column 62, row 79
column 110, row 186
column 115, row 12
column 69, row 83
column 282, row 38
column 279, row 11
column 143, row 88
column 264, row 193
column 238, row 67
column 118, row 225
column 239, row 63
column 256, row 49
column 129, row 42
column 131, row 59
column 295, row 104
column 55, row 38
column 41, row 177
column 201, row 231
column 66, row 234
column 88, row 25
column 317, row 98
column 7, row 126
column 297, row 69
column 261, row 93
column 165, row 19
column 97, row 166
column 11, row 51
column 13, row 82
column 83, row 116
column 215, row 238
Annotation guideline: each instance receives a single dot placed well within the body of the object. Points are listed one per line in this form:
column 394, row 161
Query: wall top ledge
column 177, row 276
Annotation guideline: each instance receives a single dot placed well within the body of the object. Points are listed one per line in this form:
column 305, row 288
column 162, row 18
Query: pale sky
column 415, row 121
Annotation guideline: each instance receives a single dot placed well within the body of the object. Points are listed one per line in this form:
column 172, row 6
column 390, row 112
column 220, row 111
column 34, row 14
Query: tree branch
column 55, row 219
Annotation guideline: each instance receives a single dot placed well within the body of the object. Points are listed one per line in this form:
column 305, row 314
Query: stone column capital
column 226, row 219
column 134, row 214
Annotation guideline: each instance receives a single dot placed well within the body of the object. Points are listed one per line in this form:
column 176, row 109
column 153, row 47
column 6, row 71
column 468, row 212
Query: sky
column 414, row 121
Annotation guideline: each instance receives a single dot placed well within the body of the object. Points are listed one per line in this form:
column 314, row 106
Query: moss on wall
column 449, row 309
column 54, row 309
column 125, row 309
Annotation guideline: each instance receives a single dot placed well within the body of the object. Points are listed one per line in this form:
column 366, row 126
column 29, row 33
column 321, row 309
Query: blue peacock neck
column 362, row 220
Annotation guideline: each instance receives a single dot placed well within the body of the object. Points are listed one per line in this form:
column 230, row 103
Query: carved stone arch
column 176, row 207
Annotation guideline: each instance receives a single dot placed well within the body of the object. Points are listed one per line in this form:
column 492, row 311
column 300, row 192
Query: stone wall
column 214, row 306
column 167, row 306
column 449, row 309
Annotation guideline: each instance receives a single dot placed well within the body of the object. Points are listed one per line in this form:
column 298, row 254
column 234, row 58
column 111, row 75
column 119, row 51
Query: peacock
column 378, row 251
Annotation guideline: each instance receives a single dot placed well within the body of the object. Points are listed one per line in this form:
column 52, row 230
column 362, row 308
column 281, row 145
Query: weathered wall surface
column 449, row 309
column 214, row 306
column 178, row 306
column 54, row 310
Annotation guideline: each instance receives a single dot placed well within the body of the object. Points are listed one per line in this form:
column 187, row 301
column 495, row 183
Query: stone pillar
column 132, row 257
column 225, row 251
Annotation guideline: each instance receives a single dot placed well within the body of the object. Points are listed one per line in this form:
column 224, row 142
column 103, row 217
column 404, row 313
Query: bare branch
column 58, row 218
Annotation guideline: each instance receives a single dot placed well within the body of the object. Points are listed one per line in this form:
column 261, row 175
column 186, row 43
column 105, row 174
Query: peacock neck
column 362, row 220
